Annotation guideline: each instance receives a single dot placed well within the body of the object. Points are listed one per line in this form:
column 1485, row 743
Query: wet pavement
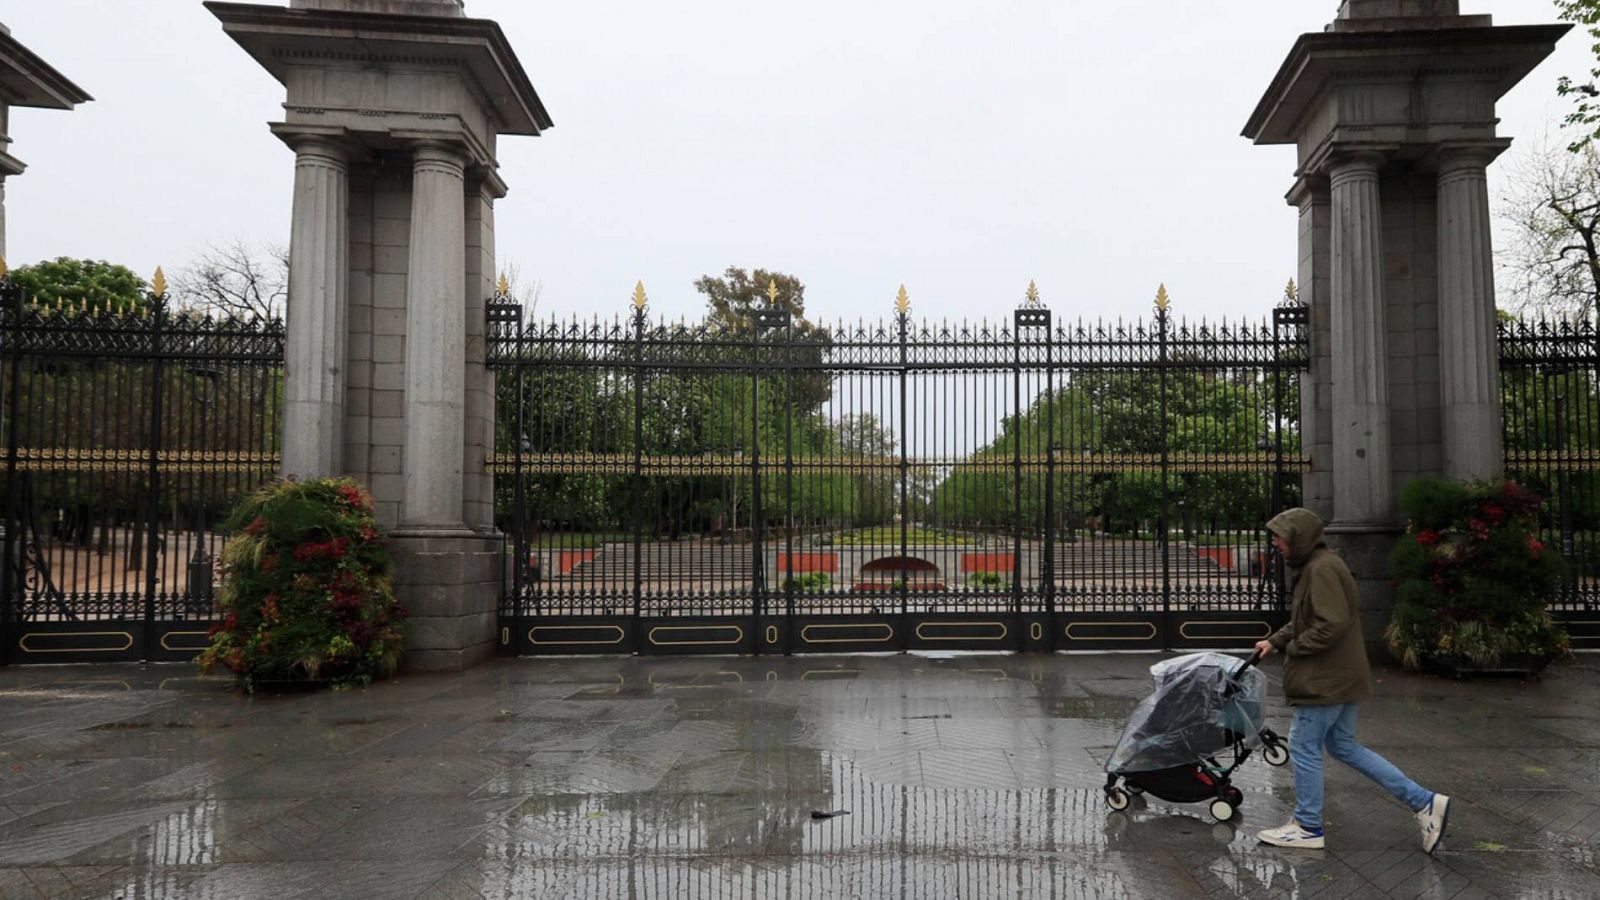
column 972, row 776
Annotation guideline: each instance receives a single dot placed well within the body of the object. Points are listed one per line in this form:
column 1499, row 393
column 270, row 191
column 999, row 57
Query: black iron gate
column 1550, row 390
column 128, row 433
column 755, row 483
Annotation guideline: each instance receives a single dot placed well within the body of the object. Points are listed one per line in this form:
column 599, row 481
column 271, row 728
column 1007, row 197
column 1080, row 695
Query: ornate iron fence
column 757, row 483
column 128, row 433
column 1550, row 390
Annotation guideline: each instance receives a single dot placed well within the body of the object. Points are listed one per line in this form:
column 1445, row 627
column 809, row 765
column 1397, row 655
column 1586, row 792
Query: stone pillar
column 1468, row 350
column 1359, row 353
column 1310, row 196
column 436, row 335
column 319, row 277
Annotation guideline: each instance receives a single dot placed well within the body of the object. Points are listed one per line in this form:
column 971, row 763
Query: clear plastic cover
column 1202, row 703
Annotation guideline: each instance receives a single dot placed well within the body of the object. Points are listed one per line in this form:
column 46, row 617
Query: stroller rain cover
column 1202, row 704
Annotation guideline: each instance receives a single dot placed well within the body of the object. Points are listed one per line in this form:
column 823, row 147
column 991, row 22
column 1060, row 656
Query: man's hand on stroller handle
column 1264, row 648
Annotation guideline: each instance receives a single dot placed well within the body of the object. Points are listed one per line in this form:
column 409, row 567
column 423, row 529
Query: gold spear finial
column 503, row 288
column 3, row 270
column 158, row 284
column 638, row 296
column 902, row 301
column 1291, row 293
column 1162, row 300
column 1033, row 293
column 772, row 289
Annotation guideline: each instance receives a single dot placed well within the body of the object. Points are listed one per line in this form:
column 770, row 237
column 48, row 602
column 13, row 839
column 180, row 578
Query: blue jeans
column 1334, row 727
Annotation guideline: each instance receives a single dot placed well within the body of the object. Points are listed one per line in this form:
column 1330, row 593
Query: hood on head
column 1301, row 530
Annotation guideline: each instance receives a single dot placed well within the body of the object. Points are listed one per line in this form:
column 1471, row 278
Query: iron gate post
column 158, row 302
column 1016, row 489
column 1163, row 539
column 11, row 295
column 788, row 488
column 638, row 469
column 902, row 317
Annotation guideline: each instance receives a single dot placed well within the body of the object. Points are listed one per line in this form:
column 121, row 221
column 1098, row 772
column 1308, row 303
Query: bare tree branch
column 1552, row 211
column 235, row 279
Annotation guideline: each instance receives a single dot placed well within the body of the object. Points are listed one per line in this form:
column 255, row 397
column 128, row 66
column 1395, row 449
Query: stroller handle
column 1233, row 680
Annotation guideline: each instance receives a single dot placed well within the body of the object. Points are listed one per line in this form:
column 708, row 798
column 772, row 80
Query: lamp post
column 200, row 575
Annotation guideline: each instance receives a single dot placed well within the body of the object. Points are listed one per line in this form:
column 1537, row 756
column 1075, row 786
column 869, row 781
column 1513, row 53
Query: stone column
column 1361, row 474
column 319, row 277
column 1468, row 352
column 436, row 335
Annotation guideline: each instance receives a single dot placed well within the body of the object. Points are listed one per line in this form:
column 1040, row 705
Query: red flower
column 368, row 532
column 269, row 563
column 339, row 547
column 231, row 622
column 256, row 526
column 1427, row 537
column 1494, row 513
column 1535, row 547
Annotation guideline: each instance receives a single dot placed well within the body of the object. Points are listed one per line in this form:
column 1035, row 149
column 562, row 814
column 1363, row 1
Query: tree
column 732, row 302
column 80, row 283
column 235, row 280
column 1584, row 94
column 1553, row 261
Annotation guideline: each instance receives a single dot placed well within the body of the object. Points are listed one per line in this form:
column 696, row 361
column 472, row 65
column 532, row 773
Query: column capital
column 1347, row 164
column 441, row 156
column 1468, row 158
column 331, row 145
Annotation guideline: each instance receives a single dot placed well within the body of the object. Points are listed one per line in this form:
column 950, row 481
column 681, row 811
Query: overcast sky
column 960, row 148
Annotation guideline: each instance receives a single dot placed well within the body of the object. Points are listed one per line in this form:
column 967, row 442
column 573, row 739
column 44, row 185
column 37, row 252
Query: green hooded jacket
column 1325, row 657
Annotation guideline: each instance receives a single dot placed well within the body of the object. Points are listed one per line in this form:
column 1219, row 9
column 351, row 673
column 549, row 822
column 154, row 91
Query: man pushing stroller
column 1325, row 677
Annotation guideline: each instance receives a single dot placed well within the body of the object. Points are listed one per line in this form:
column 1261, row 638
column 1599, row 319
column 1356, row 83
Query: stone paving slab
column 965, row 776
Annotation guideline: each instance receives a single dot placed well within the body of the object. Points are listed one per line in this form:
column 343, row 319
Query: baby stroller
column 1204, row 705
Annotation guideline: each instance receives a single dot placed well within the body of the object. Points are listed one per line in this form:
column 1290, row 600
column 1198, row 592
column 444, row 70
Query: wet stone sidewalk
column 656, row 778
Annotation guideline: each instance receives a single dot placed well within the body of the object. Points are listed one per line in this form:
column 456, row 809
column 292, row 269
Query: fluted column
column 1361, row 475
column 436, row 335
column 319, row 276
column 1469, row 376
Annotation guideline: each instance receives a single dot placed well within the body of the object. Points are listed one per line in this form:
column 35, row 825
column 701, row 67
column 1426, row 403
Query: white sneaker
column 1433, row 819
column 1292, row 835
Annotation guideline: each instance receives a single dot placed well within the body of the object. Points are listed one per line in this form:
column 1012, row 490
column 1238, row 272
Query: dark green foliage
column 810, row 581
column 1433, row 503
column 81, row 283
column 1472, row 577
column 306, row 590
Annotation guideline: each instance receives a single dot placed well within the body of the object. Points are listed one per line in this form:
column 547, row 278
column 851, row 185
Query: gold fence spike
column 158, row 284
column 772, row 289
column 1033, row 293
column 638, row 296
column 1291, row 293
column 503, row 288
column 3, row 270
column 1162, row 300
column 902, row 301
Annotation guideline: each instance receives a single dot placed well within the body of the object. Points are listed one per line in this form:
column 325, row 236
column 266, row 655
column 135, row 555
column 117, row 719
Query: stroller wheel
column 1221, row 810
column 1234, row 796
column 1275, row 754
column 1117, row 799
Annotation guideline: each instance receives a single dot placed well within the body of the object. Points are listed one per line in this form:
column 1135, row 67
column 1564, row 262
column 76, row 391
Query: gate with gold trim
column 128, row 433
column 758, row 483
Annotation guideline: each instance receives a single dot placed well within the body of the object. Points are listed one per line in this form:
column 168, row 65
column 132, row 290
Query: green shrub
column 306, row 593
column 810, row 581
column 1471, row 576
column 983, row 580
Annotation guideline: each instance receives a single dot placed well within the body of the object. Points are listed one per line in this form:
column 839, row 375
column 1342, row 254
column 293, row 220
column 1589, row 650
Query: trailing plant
column 306, row 593
column 1472, row 576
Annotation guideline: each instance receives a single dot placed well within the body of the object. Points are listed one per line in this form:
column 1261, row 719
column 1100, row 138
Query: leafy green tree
column 1584, row 91
column 732, row 302
column 82, row 282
